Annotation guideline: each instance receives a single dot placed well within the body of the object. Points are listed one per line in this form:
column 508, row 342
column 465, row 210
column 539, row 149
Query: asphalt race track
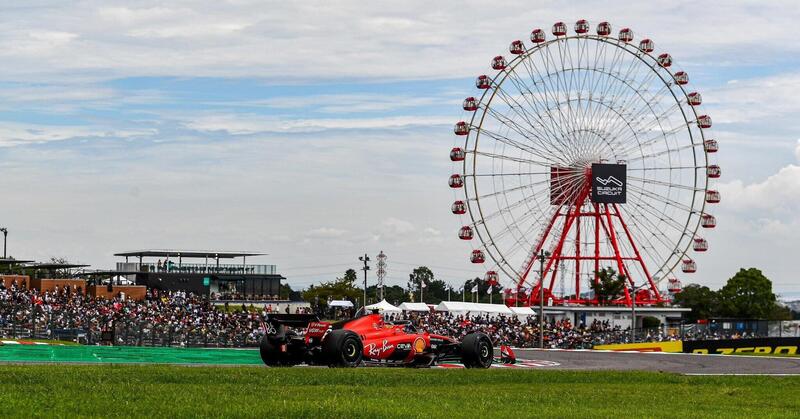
column 551, row 359
column 662, row 362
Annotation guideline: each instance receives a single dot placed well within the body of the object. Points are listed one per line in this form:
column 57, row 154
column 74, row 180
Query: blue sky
column 319, row 131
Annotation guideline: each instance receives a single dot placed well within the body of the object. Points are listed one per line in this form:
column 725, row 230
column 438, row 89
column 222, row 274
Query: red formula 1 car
column 293, row 339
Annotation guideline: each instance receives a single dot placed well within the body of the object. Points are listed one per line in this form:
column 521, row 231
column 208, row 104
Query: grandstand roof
column 188, row 253
column 12, row 261
column 56, row 266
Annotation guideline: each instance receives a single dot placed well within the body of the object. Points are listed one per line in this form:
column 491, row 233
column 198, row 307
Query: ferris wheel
column 586, row 151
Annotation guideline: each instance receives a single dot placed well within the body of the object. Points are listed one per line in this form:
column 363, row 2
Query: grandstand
column 201, row 273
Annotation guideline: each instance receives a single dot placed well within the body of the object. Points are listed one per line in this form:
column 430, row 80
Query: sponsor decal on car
column 317, row 329
column 419, row 345
column 376, row 351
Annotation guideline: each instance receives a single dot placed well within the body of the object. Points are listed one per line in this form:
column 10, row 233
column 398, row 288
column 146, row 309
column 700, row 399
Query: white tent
column 340, row 303
column 523, row 312
column 458, row 307
column 384, row 307
column 415, row 307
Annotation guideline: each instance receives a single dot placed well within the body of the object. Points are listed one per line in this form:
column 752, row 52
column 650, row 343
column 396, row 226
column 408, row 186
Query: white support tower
column 381, row 272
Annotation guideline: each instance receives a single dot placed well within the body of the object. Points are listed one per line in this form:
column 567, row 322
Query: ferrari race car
column 293, row 339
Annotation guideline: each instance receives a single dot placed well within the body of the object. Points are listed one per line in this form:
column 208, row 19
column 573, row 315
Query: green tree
column 342, row 288
column 748, row 294
column 609, row 285
column 702, row 300
column 417, row 276
column 350, row 277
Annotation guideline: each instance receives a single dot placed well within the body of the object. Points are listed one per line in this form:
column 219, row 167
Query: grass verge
column 175, row 391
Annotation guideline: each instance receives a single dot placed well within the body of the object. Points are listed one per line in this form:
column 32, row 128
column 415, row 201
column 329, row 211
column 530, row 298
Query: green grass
column 175, row 391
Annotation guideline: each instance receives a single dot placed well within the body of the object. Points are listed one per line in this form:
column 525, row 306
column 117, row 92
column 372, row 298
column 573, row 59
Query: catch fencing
column 135, row 334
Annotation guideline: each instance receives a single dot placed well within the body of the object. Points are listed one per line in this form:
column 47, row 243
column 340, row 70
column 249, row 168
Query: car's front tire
column 477, row 351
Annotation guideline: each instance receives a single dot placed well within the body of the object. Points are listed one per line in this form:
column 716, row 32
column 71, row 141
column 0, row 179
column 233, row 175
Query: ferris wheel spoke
column 667, row 184
column 560, row 87
column 655, row 230
column 627, row 119
column 509, row 208
column 508, row 141
column 598, row 72
column 663, row 152
column 648, row 213
column 610, row 83
column 532, row 118
column 524, row 133
column 564, row 53
column 660, row 198
column 646, row 247
column 512, row 158
column 643, row 169
column 652, row 122
column 650, row 250
column 624, row 94
column 650, row 140
column 628, row 97
column 556, row 133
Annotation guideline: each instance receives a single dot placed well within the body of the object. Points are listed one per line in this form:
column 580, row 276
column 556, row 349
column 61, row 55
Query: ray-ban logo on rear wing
column 611, row 179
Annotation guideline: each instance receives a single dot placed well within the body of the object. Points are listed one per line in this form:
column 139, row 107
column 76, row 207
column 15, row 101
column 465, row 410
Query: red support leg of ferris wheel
column 610, row 230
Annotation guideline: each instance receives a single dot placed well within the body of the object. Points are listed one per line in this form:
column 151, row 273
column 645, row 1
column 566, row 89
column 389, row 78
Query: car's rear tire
column 477, row 351
column 270, row 352
column 270, row 349
column 343, row 348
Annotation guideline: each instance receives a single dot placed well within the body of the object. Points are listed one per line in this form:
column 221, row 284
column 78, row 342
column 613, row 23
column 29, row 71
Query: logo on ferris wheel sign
column 608, row 183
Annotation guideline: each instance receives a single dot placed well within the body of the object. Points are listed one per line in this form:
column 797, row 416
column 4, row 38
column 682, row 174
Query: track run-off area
column 574, row 360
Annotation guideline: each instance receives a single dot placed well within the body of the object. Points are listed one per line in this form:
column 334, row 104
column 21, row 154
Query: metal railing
column 200, row 268
column 134, row 334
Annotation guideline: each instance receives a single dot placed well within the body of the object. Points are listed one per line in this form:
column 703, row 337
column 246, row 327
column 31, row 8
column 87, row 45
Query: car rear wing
column 314, row 327
column 291, row 320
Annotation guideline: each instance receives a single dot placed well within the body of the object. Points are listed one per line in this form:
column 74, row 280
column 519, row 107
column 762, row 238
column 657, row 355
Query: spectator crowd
column 525, row 332
column 183, row 319
column 162, row 318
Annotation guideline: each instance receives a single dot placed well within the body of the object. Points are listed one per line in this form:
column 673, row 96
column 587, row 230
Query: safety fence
column 136, row 334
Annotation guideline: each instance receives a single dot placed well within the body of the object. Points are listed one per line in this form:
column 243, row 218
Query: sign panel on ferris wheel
column 593, row 148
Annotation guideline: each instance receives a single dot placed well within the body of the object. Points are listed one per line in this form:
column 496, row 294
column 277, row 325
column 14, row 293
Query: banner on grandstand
column 777, row 346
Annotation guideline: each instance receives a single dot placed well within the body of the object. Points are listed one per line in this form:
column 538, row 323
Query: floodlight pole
column 542, row 256
column 5, row 236
column 365, row 259
column 634, row 289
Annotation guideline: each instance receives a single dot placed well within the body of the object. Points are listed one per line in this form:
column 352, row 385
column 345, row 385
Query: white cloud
column 12, row 134
column 354, row 39
column 394, row 227
column 326, row 233
column 760, row 99
column 242, row 124
column 797, row 151
column 775, row 196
